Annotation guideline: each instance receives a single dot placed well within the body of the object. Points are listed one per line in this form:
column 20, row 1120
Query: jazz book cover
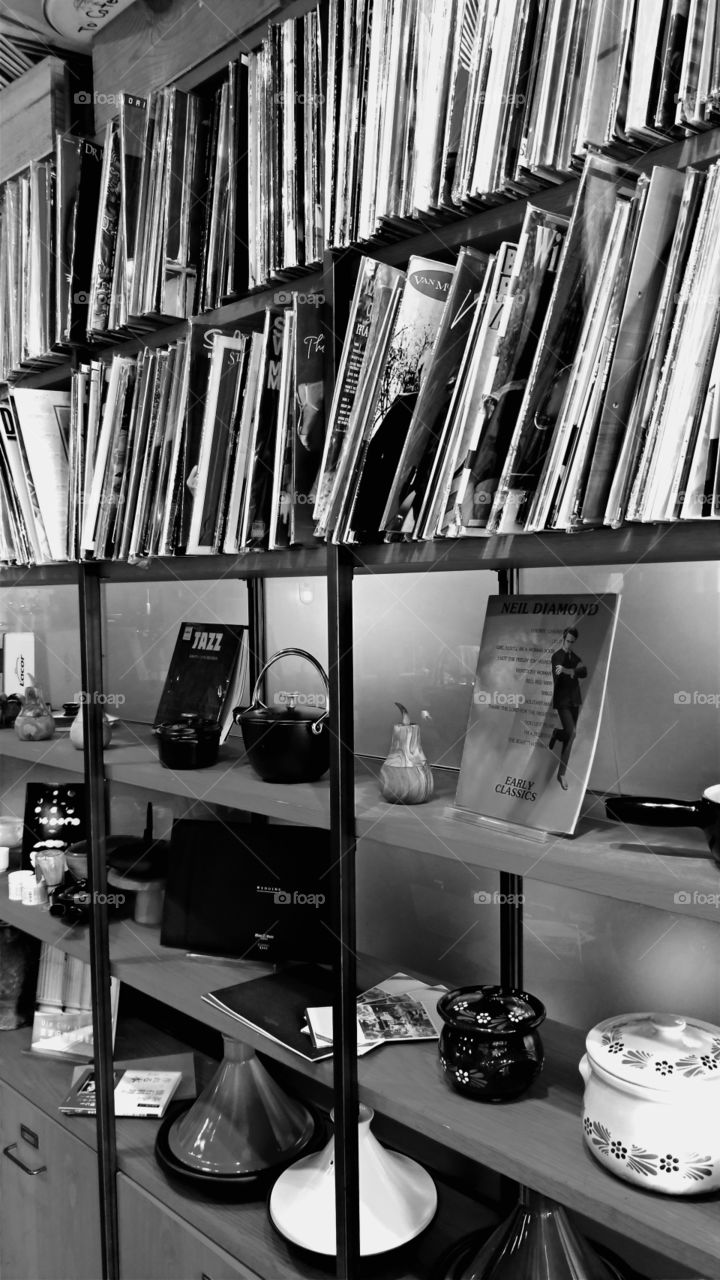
column 537, row 700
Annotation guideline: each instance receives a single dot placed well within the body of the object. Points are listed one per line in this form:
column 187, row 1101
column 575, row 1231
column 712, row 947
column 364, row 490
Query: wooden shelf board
column 634, row 864
column 646, row 865
column 684, row 541
column 244, row 1230
column 38, row 922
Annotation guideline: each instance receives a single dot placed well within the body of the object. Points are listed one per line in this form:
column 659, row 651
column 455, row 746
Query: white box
column 18, row 654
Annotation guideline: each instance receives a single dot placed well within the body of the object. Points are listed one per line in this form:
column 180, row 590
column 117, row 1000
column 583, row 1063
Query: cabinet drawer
column 49, row 1207
column 155, row 1244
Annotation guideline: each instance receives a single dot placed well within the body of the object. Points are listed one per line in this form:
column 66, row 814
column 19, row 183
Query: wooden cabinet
column 50, row 1226
column 155, row 1244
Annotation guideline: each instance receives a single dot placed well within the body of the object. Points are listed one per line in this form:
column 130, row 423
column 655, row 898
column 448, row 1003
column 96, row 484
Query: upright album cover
column 535, row 715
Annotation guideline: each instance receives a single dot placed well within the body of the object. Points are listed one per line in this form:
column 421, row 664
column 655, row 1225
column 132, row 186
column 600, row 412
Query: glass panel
column 52, row 616
column 141, row 627
column 417, row 638
column 660, row 730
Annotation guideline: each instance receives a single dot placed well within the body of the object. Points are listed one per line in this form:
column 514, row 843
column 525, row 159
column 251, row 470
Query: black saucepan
column 646, row 811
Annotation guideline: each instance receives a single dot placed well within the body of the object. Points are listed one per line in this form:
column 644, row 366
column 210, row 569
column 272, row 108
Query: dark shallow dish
column 247, row 1186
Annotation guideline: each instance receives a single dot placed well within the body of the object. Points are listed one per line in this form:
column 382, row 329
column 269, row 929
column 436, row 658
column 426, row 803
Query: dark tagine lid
column 498, row 1010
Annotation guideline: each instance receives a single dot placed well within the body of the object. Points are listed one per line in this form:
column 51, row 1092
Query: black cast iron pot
column 490, row 1048
column 290, row 743
column 645, row 811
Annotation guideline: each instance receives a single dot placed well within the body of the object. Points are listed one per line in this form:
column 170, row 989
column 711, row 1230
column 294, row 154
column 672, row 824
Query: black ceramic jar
column 490, row 1048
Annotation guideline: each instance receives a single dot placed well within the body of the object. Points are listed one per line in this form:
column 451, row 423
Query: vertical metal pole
column 91, row 667
column 256, row 628
column 511, row 912
column 342, row 833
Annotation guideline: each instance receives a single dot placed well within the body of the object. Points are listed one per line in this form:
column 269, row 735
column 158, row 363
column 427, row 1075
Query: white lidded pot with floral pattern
column 652, row 1101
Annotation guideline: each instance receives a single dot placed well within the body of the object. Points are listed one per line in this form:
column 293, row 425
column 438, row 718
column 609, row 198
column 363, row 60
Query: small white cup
column 4, row 858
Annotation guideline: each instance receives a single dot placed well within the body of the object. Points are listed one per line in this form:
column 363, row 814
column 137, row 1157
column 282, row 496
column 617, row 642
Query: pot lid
column 189, row 728
column 656, row 1050
column 280, row 715
column 500, row 1010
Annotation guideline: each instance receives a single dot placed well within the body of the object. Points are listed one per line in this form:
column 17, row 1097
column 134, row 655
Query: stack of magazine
column 292, row 1007
column 345, row 126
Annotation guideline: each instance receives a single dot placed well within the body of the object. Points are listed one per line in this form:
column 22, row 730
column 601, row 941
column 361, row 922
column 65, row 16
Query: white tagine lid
column 398, row 1197
column 658, row 1051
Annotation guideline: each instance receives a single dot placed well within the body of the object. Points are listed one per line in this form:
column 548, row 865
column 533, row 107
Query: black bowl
column 190, row 743
column 490, row 1048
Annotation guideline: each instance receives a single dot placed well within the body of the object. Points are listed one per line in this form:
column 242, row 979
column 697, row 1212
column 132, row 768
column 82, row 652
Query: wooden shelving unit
column 537, row 1141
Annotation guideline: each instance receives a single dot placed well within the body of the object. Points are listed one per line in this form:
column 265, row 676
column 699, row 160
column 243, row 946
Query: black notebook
column 275, row 1005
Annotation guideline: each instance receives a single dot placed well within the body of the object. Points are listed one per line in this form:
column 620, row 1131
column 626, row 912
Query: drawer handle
column 9, row 1152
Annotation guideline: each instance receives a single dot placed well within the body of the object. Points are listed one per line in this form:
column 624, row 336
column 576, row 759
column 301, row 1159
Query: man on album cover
column 567, row 670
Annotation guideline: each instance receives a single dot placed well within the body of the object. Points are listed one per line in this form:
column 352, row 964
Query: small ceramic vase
column 34, row 721
column 77, row 732
column 406, row 776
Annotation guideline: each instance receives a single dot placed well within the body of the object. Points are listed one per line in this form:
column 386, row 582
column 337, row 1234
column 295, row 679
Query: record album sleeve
column 258, row 893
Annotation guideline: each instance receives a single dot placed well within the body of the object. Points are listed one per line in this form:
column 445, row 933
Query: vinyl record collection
column 566, row 379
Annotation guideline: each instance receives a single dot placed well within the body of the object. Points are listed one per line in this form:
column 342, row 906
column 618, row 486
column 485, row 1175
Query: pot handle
column 648, row 812
column 293, row 653
column 584, row 1068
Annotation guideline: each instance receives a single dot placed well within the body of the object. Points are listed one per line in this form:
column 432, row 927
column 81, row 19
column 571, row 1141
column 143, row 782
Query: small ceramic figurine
column 406, row 776
column 34, row 721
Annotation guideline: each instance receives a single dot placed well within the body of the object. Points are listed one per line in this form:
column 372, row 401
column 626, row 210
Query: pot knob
column 668, row 1027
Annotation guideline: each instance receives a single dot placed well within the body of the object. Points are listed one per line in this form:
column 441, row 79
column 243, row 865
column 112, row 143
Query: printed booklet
column 535, row 715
